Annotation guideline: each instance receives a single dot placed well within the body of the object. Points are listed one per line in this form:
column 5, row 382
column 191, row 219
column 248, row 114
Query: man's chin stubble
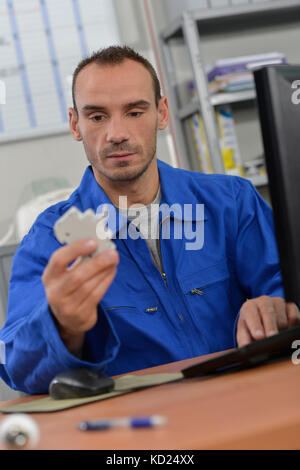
column 124, row 176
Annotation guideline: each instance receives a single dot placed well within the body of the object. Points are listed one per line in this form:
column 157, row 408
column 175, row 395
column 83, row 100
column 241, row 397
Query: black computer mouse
column 79, row 383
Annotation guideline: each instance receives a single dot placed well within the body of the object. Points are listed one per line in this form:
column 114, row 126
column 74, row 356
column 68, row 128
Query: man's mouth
column 120, row 155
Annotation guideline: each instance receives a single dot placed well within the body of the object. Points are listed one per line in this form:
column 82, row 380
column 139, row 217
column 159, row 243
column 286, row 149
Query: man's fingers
column 243, row 335
column 75, row 263
column 79, row 313
column 253, row 320
column 265, row 316
column 86, row 270
column 77, row 297
column 94, row 297
column 281, row 313
column 62, row 257
column 293, row 314
column 81, row 272
column 268, row 315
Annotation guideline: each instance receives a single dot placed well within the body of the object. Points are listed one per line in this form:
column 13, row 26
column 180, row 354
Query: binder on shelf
column 228, row 142
column 200, row 143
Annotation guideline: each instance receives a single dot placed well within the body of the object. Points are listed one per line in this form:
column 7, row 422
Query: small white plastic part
column 19, row 431
column 75, row 225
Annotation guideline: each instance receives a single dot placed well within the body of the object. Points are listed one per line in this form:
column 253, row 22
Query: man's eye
column 97, row 118
column 135, row 113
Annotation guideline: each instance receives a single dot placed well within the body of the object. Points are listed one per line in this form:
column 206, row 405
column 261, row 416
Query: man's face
column 117, row 119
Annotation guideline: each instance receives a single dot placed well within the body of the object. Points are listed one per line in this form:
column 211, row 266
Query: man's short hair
column 115, row 55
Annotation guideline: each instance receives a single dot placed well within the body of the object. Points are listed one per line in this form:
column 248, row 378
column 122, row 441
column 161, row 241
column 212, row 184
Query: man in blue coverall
column 150, row 301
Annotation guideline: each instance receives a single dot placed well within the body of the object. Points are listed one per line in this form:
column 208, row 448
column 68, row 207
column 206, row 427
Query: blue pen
column 128, row 422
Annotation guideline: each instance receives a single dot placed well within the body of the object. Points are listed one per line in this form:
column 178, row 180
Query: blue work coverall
column 145, row 319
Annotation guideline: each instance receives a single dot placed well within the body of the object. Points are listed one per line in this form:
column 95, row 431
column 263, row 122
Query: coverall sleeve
column 256, row 252
column 257, row 259
column 34, row 351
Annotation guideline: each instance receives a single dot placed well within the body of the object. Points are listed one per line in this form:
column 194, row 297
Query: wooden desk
column 251, row 409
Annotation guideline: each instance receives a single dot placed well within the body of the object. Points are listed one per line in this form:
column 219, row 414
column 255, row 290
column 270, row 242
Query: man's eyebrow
column 132, row 104
column 138, row 104
column 92, row 107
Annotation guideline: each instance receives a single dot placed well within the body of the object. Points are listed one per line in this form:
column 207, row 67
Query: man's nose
column 117, row 131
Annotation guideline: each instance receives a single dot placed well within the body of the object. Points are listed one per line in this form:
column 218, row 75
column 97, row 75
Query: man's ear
column 73, row 123
column 163, row 113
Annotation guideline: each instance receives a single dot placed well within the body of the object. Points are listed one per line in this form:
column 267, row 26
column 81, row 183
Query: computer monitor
column 278, row 98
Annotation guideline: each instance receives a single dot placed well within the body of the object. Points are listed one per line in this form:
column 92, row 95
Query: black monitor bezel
column 274, row 109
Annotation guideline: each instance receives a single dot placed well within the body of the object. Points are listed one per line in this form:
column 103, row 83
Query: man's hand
column 74, row 292
column 265, row 316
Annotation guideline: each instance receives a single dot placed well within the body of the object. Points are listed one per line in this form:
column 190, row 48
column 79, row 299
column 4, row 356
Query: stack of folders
column 235, row 74
column 227, row 139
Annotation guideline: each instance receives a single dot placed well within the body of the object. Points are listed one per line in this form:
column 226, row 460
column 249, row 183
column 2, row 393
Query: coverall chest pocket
column 205, row 280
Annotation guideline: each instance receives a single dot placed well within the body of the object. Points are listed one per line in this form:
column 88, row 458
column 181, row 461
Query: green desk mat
column 123, row 385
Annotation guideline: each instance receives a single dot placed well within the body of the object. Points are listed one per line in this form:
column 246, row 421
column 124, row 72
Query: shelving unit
column 191, row 28
column 216, row 100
